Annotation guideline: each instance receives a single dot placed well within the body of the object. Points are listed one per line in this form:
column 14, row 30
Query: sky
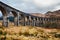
column 34, row 6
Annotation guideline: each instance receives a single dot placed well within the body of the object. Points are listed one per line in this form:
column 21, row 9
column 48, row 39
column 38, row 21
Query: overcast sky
column 34, row 6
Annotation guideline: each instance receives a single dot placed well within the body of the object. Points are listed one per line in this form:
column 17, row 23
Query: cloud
column 30, row 6
column 46, row 3
column 56, row 8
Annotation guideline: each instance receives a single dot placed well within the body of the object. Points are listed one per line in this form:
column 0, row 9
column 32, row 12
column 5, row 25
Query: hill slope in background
column 48, row 14
column 38, row 14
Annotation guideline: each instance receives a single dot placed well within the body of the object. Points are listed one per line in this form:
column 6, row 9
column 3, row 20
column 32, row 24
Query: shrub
column 49, row 24
column 0, row 32
column 57, row 35
column 53, row 25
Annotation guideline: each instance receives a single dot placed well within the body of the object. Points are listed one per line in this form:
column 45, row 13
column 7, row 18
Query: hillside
column 53, row 13
column 38, row 14
column 48, row 14
column 28, row 33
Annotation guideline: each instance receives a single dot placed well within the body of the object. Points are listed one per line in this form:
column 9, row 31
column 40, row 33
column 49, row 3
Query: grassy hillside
column 28, row 33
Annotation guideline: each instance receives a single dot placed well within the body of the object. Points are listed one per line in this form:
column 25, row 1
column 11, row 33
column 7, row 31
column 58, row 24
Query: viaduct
column 20, row 18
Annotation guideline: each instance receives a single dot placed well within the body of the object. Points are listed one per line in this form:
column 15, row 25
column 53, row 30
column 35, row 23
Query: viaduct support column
column 5, row 21
column 33, row 22
column 37, row 21
column 5, row 18
column 25, row 20
column 16, row 20
column 29, row 19
column 43, row 21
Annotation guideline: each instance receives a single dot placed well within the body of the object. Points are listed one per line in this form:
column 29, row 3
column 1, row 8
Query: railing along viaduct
column 20, row 18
